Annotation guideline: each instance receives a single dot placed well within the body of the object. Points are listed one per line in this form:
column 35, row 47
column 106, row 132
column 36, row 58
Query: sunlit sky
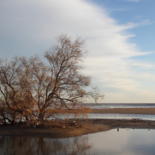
column 119, row 39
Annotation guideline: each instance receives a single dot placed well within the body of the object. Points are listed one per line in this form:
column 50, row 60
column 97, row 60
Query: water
column 119, row 105
column 108, row 116
column 111, row 115
column 112, row 142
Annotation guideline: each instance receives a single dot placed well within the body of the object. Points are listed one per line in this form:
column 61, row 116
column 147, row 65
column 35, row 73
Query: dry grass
column 125, row 110
column 110, row 110
column 73, row 111
column 69, row 128
column 56, row 129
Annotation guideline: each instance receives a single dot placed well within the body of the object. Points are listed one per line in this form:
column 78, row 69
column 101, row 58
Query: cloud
column 38, row 22
column 134, row 1
column 31, row 26
column 142, row 65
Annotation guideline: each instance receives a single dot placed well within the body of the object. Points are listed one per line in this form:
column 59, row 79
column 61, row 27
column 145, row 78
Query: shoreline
column 149, row 111
column 84, row 126
column 86, row 110
column 77, row 127
column 53, row 130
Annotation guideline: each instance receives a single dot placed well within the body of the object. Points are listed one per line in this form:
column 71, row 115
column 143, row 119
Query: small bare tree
column 95, row 95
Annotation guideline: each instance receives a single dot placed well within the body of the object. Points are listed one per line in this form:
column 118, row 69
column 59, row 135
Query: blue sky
column 140, row 12
column 119, row 37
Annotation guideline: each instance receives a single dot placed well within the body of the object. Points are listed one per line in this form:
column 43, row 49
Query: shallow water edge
column 85, row 126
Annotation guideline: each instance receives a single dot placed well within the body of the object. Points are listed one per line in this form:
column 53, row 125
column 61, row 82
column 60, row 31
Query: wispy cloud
column 132, row 25
column 134, row 1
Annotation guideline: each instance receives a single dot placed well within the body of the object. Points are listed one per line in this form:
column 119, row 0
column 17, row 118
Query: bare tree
column 15, row 90
column 96, row 95
column 64, row 84
column 31, row 87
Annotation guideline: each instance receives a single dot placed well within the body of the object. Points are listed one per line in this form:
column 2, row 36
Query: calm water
column 108, row 116
column 120, row 105
column 113, row 115
column 112, row 142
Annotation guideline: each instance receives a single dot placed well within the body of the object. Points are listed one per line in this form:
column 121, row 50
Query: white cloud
column 33, row 25
column 134, row 1
column 39, row 22
column 142, row 65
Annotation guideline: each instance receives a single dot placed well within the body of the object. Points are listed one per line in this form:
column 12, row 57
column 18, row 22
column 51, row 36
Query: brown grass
column 125, row 110
column 110, row 110
column 69, row 128
column 55, row 129
column 76, row 127
column 74, row 111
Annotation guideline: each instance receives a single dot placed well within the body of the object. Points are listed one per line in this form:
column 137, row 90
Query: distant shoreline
column 117, row 103
column 150, row 111
column 120, row 103
column 77, row 127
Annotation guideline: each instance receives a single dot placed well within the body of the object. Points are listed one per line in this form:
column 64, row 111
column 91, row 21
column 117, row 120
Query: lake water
column 107, row 116
column 111, row 115
column 112, row 142
column 120, row 105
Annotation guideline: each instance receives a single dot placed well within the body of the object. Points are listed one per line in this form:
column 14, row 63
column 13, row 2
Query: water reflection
column 124, row 142
column 113, row 142
column 43, row 146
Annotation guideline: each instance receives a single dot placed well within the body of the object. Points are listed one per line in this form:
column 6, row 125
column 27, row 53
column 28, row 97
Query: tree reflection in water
column 44, row 146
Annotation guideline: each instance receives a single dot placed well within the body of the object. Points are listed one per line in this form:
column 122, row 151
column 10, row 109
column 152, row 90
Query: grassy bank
column 107, row 110
column 77, row 127
column 125, row 110
column 55, row 129
column 62, row 129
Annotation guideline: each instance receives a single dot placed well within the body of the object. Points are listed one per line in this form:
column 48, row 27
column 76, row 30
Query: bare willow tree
column 15, row 90
column 64, row 85
column 31, row 87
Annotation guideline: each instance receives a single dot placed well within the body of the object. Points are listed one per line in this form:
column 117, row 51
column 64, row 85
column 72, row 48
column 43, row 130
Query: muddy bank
column 71, row 128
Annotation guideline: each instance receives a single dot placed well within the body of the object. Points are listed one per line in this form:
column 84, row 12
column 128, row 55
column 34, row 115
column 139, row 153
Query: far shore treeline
column 31, row 87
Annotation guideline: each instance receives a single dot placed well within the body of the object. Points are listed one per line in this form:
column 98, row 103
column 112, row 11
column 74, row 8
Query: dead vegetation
column 33, row 89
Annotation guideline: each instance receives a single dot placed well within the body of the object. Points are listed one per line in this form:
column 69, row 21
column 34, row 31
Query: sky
column 119, row 39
